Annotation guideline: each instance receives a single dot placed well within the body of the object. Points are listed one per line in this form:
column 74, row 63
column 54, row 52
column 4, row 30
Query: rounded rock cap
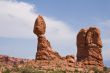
column 39, row 26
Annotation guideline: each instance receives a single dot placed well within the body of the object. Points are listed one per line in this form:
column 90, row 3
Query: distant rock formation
column 89, row 46
column 44, row 49
column 11, row 60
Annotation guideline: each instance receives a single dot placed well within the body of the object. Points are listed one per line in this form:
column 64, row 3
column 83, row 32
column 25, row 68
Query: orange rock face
column 44, row 49
column 11, row 60
column 89, row 46
column 70, row 58
column 39, row 26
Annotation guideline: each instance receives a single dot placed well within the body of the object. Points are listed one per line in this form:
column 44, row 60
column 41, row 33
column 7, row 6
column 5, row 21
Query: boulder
column 39, row 26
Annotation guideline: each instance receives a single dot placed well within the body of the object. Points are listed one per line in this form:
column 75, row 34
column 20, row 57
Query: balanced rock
column 44, row 49
column 89, row 46
column 39, row 26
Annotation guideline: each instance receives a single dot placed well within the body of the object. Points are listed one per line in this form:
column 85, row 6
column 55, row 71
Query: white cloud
column 17, row 21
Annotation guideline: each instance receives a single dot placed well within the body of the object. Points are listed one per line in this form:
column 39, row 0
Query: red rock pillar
column 89, row 46
column 44, row 49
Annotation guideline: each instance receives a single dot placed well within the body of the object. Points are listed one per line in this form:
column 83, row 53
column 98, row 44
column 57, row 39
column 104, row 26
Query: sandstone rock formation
column 70, row 58
column 11, row 60
column 44, row 49
column 39, row 26
column 89, row 46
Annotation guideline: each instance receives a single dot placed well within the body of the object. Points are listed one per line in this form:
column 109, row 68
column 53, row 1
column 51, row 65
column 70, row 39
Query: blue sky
column 63, row 18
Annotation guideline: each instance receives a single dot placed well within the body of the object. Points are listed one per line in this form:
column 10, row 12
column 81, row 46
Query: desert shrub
column 96, row 70
column 105, row 68
column 6, row 71
column 29, row 70
column 58, row 71
column 76, row 70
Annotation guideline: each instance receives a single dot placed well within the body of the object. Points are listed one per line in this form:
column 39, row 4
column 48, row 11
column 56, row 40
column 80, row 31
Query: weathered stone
column 70, row 58
column 44, row 49
column 81, row 40
column 11, row 60
column 39, row 26
column 93, row 38
column 89, row 46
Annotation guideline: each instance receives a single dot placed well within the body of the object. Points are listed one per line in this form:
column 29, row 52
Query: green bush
column 105, row 68
column 29, row 70
column 58, row 71
column 6, row 71
column 96, row 70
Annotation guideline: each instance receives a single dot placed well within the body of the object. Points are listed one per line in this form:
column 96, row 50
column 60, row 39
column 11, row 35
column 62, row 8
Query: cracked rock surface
column 89, row 46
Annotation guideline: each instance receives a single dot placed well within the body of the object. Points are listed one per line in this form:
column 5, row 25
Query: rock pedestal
column 89, row 46
column 44, row 49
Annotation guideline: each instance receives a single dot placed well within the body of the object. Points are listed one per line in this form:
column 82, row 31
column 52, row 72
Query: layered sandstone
column 11, row 60
column 44, row 49
column 89, row 46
